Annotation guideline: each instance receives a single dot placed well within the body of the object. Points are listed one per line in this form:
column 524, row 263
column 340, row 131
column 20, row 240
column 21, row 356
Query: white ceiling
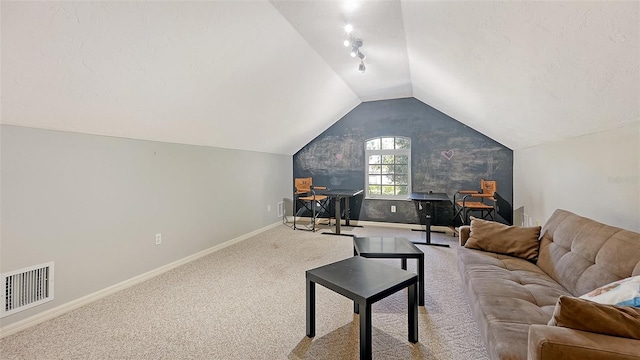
column 270, row 76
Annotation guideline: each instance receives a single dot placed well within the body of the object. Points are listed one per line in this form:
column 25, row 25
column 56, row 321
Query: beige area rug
column 247, row 301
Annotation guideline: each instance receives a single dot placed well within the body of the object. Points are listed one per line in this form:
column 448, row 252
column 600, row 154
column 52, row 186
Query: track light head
column 361, row 56
column 348, row 28
column 362, row 67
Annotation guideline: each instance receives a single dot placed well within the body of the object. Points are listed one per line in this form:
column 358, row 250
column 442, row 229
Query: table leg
column 365, row 332
column 427, row 221
column 311, row 308
column 338, row 217
column 421, row 280
column 404, row 263
column 413, row 315
column 346, row 211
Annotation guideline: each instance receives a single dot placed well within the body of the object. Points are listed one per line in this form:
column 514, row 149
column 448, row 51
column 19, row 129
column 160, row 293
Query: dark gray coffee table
column 394, row 248
column 364, row 281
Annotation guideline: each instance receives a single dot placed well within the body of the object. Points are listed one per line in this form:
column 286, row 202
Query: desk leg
column 338, row 217
column 413, row 315
column 347, row 212
column 404, row 263
column 311, row 308
column 421, row 280
column 427, row 222
column 365, row 332
column 338, row 221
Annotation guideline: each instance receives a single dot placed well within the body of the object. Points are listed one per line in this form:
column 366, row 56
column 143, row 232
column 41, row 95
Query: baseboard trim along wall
column 72, row 305
column 443, row 229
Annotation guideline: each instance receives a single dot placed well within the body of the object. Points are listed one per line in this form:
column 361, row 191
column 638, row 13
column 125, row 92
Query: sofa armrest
column 554, row 342
column 464, row 232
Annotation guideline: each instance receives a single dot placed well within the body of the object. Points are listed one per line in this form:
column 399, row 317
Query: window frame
column 382, row 152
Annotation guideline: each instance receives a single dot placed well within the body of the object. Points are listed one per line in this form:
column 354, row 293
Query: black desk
column 365, row 282
column 337, row 195
column 392, row 248
column 422, row 200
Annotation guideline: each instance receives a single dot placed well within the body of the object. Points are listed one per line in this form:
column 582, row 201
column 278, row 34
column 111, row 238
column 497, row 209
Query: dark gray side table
column 365, row 282
column 392, row 248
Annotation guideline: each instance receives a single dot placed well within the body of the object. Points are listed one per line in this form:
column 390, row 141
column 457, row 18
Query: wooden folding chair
column 305, row 195
column 482, row 202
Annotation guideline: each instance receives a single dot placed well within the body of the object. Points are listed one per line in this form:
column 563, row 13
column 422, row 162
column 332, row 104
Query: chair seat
column 475, row 205
column 313, row 198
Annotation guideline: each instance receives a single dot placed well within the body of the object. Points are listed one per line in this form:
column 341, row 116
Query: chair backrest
column 488, row 186
column 303, row 185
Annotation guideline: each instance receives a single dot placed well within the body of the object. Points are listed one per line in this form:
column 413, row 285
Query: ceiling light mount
column 355, row 45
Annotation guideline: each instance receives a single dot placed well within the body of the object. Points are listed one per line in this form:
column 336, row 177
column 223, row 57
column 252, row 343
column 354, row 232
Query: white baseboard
column 64, row 308
column 443, row 229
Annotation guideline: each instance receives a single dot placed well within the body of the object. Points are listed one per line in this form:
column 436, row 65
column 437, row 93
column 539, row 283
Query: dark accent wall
column 446, row 156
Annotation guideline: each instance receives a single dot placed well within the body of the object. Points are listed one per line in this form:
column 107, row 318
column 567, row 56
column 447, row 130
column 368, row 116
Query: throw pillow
column 625, row 292
column 499, row 238
column 585, row 315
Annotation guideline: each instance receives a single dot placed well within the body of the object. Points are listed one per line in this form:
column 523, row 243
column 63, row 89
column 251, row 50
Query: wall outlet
column 268, row 207
column 158, row 239
column 393, row 208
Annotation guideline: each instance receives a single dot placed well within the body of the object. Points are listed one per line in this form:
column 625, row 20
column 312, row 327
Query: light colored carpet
column 247, row 301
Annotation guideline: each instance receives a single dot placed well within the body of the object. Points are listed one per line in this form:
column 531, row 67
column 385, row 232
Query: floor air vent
column 26, row 288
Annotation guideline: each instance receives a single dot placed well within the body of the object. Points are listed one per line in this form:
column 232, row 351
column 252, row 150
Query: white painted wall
column 93, row 204
column 597, row 176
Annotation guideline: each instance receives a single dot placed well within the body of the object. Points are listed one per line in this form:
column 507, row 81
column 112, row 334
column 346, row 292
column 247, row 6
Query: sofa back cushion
column 522, row 242
column 582, row 254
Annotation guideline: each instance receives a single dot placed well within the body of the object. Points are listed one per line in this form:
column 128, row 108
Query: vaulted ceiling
column 272, row 75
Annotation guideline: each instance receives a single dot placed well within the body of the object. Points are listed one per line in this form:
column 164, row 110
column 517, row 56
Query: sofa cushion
column 625, row 292
column 498, row 238
column 507, row 295
column 585, row 315
column 582, row 254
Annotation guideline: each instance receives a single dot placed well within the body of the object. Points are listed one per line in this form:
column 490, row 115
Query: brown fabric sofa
column 513, row 299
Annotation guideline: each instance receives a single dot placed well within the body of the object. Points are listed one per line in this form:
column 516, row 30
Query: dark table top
column 385, row 246
column 424, row 196
column 340, row 192
column 361, row 279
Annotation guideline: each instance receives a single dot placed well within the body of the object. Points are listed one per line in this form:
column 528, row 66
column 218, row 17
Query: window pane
column 402, row 180
column 403, row 143
column 402, row 159
column 389, row 169
column 387, row 143
column 373, row 144
column 388, row 190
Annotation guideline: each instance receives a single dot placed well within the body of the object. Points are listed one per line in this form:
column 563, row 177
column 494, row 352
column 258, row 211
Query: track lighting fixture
column 355, row 44
column 348, row 28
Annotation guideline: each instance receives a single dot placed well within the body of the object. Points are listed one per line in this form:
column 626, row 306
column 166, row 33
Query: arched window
column 388, row 170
